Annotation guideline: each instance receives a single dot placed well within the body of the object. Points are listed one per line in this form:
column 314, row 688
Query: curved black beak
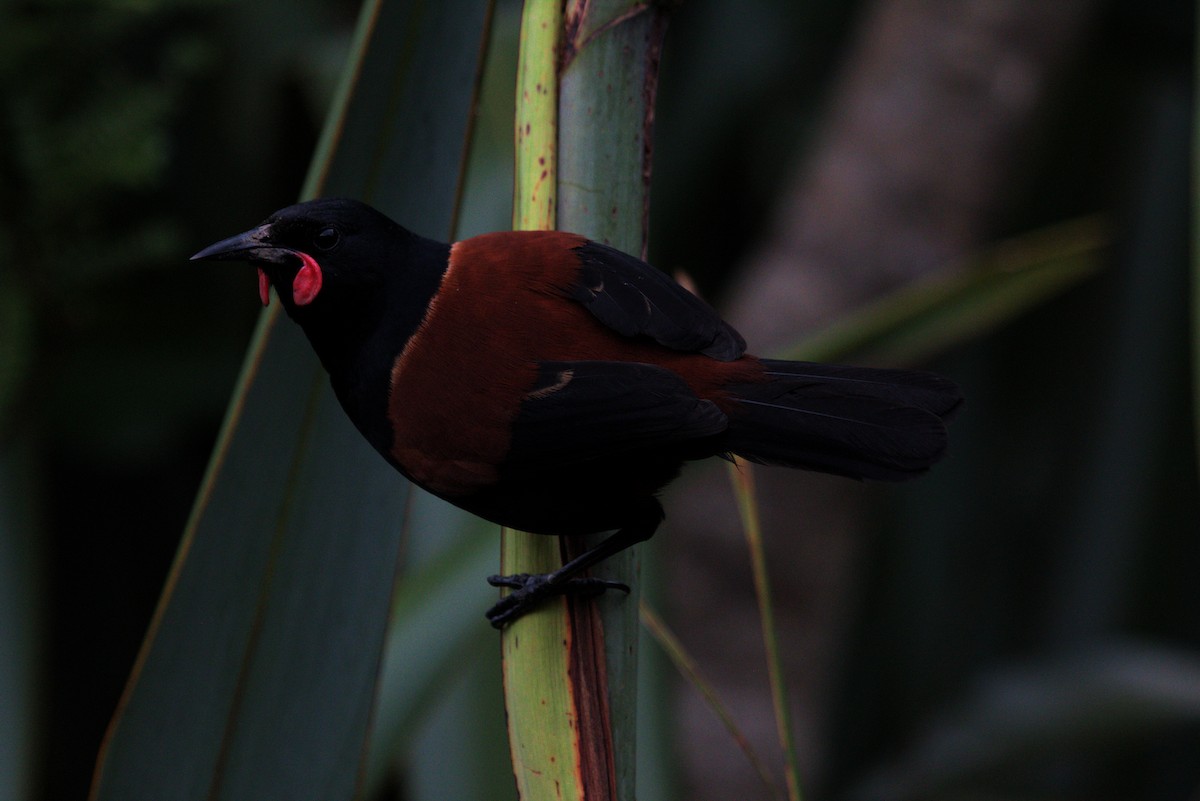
column 253, row 245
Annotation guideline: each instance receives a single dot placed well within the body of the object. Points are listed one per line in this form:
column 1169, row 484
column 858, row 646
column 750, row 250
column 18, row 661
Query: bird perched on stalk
column 555, row 385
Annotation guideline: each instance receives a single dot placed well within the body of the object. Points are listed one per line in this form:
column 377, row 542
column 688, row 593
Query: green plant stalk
column 542, row 719
column 606, row 114
column 585, row 97
column 743, row 480
column 535, row 179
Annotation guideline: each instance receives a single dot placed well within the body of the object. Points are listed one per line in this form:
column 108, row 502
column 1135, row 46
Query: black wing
column 635, row 299
column 585, row 410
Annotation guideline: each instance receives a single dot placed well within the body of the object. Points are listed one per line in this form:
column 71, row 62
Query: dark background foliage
column 1052, row 559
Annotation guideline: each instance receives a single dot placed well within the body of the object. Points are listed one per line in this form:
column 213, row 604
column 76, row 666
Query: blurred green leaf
column 21, row 620
column 258, row 677
column 459, row 750
column 1005, row 281
column 438, row 614
column 1119, row 693
column 16, row 343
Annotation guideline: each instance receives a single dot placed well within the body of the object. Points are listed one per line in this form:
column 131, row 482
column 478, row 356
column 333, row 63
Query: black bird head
column 349, row 275
column 310, row 251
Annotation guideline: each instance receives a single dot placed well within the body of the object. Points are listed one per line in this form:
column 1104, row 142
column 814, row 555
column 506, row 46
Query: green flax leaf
column 257, row 678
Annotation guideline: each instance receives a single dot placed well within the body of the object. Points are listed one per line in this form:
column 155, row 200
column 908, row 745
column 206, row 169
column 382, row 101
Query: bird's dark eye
column 327, row 238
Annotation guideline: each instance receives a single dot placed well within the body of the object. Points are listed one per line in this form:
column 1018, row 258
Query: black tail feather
column 852, row 421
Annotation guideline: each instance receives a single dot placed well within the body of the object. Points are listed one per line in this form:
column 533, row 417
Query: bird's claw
column 531, row 589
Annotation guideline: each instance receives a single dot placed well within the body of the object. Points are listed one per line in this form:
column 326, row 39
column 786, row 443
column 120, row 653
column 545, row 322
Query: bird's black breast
column 359, row 333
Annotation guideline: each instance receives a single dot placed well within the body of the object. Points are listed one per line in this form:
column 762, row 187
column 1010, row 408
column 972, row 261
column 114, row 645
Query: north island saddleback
column 555, row 385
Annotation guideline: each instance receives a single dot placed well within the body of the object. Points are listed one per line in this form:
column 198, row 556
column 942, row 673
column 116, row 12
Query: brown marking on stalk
column 587, row 672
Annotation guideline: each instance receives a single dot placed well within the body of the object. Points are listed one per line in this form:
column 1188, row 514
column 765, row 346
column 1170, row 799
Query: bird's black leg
column 531, row 589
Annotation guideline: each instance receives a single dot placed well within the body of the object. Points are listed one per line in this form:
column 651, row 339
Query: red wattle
column 307, row 282
column 264, row 287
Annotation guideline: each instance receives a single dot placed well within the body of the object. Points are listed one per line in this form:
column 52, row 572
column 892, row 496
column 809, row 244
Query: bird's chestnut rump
column 553, row 384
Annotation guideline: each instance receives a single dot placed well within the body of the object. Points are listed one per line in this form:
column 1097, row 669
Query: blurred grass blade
column 911, row 324
column 1006, row 280
column 258, row 675
column 687, row 666
column 742, row 475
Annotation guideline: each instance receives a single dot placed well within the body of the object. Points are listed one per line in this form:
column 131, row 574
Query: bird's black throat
column 358, row 331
